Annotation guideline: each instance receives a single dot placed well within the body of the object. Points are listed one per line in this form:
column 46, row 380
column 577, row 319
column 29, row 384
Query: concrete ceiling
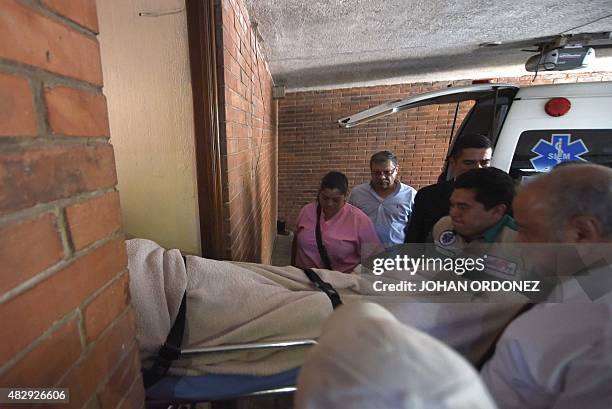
column 327, row 44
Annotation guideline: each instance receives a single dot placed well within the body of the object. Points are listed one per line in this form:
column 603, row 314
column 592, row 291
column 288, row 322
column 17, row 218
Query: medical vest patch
column 447, row 237
column 500, row 265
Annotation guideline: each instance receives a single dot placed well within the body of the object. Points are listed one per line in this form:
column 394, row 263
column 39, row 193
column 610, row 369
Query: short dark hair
column 470, row 141
column 491, row 185
column 383, row 156
column 335, row 180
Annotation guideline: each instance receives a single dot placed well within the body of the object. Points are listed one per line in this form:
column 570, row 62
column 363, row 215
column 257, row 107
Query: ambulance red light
column 557, row 106
column 483, row 81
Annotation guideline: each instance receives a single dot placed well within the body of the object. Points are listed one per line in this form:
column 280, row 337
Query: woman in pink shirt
column 346, row 233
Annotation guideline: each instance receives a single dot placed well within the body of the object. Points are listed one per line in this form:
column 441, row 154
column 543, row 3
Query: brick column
column 64, row 307
column 248, row 136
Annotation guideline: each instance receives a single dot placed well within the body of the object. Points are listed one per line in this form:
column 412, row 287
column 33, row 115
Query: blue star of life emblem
column 559, row 149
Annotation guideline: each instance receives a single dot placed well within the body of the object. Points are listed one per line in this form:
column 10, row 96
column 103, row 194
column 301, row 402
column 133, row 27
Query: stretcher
column 163, row 390
column 172, row 391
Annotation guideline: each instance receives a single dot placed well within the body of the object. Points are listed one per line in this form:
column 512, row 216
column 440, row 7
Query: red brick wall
column 248, row 136
column 64, row 308
column 310, row 143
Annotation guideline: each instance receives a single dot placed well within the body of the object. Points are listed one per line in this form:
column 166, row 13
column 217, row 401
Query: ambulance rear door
column 534, row 139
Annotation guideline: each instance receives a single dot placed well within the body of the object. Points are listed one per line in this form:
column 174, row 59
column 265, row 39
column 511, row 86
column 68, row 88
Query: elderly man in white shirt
column 559, row 355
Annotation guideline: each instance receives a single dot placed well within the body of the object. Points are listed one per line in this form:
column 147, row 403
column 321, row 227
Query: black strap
column 171, row 350
column 320, row 246
column 324, row 286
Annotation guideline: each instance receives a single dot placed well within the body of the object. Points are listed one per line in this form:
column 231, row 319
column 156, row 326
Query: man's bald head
column 572, row 203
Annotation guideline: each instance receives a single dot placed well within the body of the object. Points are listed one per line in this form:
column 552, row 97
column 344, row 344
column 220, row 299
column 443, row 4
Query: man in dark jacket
column 432, row 202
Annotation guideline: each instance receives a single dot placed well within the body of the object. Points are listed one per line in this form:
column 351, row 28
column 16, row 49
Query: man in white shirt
column 559, row 355
column 385, row 200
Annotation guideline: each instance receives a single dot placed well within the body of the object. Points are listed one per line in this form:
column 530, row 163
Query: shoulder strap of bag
column 324, row 286
column 171, row 350
column 320, row 246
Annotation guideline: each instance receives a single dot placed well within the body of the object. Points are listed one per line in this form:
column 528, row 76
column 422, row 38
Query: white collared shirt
column 556, row 355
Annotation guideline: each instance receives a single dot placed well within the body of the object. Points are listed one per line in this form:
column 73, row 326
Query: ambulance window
column 539, row 151
column 479, row 119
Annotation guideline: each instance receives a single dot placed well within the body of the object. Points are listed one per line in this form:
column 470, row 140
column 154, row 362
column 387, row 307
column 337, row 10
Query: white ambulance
column 532, row 128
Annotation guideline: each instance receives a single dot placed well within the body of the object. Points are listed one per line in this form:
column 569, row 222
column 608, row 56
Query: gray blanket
column 227, row 303
column 231, row 302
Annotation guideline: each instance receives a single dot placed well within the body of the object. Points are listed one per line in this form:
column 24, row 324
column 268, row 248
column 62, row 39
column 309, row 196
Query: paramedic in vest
column 558, row 354
column 479, row 206
column 432, row 202
column 386, row 200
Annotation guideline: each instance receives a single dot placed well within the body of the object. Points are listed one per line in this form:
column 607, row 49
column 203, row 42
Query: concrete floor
column 281, row 401
column 281, row 255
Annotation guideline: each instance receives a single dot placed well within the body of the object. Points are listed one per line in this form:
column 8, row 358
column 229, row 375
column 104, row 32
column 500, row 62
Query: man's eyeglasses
column 383, row 172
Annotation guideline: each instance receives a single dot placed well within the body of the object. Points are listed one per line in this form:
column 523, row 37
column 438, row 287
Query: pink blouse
column 348, row 236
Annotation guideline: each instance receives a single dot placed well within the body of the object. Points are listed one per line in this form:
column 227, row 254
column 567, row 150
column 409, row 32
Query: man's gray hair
column 575, row 190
